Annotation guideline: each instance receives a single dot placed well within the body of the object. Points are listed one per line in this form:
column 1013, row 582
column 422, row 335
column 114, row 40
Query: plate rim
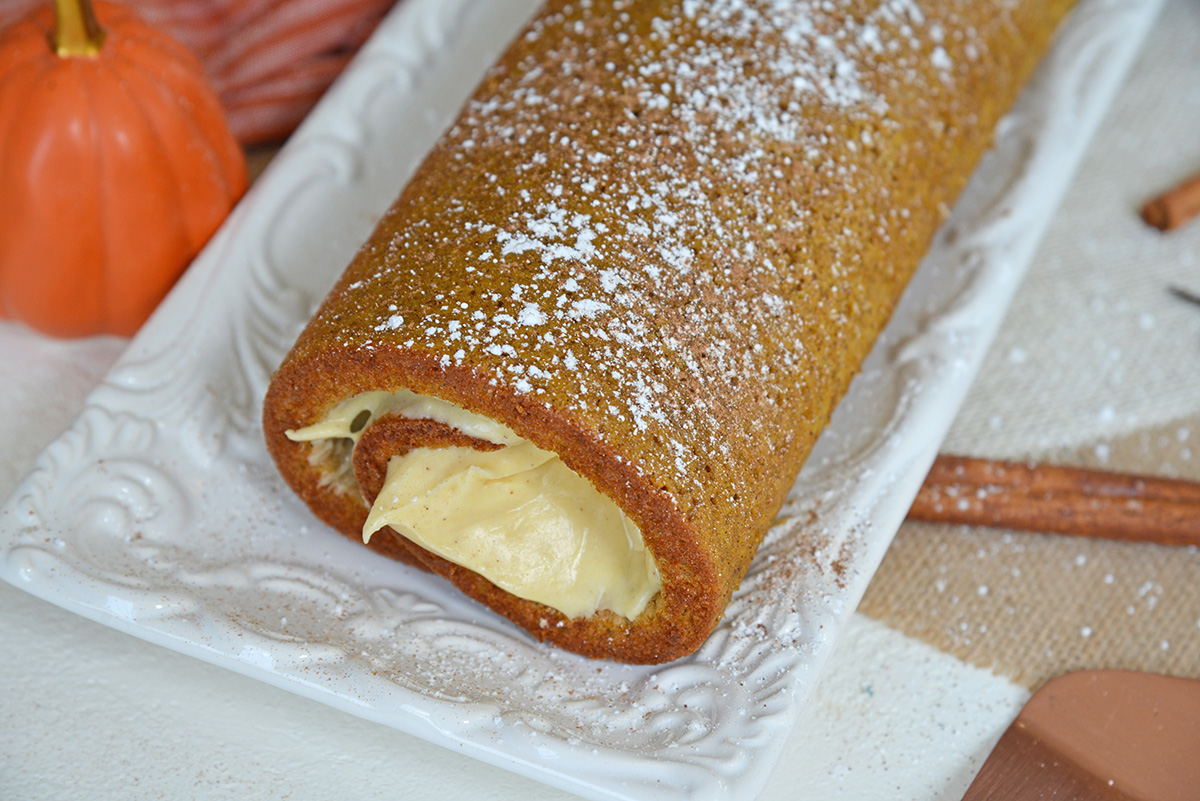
column 170, row 331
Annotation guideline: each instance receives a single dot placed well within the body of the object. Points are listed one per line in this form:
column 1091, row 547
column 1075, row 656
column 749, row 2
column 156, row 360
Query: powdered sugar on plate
column 159, row 513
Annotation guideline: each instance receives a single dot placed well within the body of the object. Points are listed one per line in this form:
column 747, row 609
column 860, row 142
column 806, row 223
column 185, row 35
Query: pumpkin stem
column 77, row 32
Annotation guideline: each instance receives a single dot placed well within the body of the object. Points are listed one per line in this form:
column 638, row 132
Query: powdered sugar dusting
column 649, row 192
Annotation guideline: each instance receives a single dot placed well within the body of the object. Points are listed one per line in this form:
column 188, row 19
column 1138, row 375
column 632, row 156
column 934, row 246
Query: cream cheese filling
column 517, row 515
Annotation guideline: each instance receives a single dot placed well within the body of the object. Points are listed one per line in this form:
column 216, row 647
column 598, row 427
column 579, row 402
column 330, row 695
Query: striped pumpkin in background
column 268, row 60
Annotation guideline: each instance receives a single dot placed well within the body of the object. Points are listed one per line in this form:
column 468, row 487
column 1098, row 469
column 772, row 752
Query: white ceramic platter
column 159, row 513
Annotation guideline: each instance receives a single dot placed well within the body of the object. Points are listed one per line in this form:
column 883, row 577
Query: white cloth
column 1093, row 346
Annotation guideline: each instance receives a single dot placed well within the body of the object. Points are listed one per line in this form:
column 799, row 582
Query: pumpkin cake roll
column 577, row 366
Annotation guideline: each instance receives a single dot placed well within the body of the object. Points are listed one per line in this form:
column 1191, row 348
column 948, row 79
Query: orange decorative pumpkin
column 116, row 166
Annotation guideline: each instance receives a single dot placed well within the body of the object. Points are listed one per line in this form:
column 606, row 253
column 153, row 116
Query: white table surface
column 87, row 712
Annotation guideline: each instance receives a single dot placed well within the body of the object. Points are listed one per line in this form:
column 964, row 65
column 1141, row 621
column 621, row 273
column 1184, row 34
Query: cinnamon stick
column 1174, row 207
column 1060, row 500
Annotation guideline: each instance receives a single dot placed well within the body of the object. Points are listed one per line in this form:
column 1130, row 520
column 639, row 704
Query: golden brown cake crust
column 659, row 241
column 394, row 435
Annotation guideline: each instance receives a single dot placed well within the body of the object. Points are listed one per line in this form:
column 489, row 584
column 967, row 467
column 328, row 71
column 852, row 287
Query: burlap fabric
column 1098, row 364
